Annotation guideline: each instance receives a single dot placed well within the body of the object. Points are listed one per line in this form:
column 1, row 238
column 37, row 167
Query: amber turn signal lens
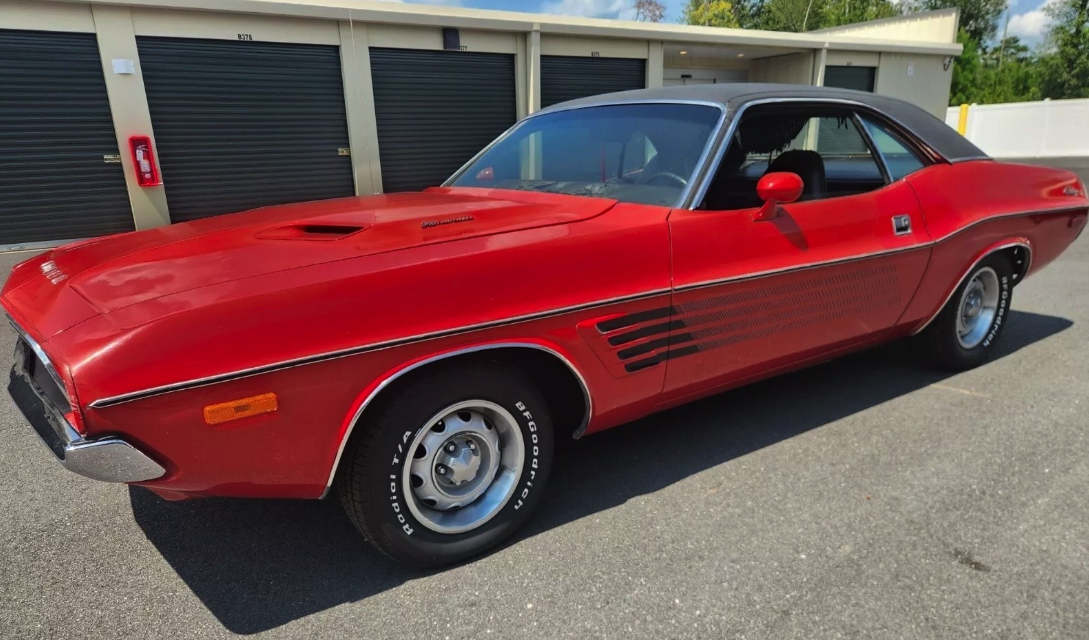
column 241, row 408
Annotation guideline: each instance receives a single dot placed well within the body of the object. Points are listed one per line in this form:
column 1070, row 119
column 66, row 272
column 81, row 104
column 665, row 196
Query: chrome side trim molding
column 968, row 271
column 352, row 351
column 1016, row 214
column 445, row 356
column 866, row 256
column 389, row 344
column 805, row 267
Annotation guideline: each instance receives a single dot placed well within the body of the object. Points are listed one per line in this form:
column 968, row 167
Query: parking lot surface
column 868, row 497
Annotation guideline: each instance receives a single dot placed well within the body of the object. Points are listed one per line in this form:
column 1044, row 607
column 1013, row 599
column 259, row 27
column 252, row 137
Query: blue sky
column 1027, row 19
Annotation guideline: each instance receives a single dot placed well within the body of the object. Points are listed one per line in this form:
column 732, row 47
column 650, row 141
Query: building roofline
column 908, row 17
column 485, row 19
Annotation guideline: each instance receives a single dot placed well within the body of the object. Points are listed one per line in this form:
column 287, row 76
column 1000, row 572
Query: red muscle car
column 420, row 353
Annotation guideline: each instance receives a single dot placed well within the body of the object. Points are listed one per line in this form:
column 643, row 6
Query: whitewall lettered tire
column 448, row 466
column 965, row 332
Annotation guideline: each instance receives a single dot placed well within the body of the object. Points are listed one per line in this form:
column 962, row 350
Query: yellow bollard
column 962, row 124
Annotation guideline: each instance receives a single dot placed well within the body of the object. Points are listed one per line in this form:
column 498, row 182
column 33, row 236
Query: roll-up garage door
column 56, row 132
column 569, row 77
column 240, row 125
column 436, row 109
column 857, row 78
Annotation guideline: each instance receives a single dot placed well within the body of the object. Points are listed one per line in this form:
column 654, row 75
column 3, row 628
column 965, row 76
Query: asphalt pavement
column 866, row 498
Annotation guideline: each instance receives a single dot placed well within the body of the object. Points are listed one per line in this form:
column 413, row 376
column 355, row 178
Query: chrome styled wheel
column 465, row 465
column 978, row 308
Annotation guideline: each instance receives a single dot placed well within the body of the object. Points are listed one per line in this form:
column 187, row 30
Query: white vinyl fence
column 1050, row 128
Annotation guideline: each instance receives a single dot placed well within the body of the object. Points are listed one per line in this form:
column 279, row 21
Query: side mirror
column 777, row 188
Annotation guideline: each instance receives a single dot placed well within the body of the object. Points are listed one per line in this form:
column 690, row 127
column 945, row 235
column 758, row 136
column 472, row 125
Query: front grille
column 27, row 359
column 32, row 405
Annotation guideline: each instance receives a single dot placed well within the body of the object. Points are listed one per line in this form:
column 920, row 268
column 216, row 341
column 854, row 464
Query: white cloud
column 623, row 9
column 1031, row 25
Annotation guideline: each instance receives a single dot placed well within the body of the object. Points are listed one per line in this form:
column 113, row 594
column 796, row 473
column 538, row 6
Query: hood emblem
column 438, row 223
column 51, row 271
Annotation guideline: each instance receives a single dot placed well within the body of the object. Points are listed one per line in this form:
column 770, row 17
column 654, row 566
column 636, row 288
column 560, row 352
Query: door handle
column 901, row 225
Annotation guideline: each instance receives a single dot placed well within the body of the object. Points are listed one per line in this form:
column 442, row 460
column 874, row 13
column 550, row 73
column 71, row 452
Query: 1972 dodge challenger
column 419, row 353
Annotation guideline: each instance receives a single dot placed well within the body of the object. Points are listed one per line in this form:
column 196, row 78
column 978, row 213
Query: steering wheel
column 667, row 174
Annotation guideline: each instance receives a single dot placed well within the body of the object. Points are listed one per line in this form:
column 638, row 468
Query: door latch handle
column 901, row 225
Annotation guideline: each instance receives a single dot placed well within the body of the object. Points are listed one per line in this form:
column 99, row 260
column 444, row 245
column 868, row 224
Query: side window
column 899, row 158
column 819, row 143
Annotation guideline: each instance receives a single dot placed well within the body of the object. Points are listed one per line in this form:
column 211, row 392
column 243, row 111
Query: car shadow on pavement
column 259, row 564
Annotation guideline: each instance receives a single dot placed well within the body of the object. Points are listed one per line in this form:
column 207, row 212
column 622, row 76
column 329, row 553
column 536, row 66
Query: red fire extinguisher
column 143, row 158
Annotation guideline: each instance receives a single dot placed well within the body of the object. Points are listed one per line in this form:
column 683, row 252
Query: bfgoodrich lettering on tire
column 449, row 465
column 965, row 332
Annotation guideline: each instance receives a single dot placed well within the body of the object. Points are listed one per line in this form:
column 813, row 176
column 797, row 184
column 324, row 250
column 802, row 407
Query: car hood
column 118, row 271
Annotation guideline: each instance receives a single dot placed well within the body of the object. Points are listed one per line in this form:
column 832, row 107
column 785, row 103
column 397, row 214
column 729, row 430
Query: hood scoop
column 311, row 231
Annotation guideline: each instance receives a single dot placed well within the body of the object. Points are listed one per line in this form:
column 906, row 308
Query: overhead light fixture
column 741, row 55
column 683, row 52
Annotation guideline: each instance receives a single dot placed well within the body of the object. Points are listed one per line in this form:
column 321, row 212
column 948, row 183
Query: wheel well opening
column 558, row 383
column 1020, row 258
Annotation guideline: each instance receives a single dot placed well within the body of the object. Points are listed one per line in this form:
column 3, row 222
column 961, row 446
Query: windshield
column 640, row 153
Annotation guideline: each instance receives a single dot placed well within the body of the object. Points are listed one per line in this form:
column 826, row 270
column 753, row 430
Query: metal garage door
column 569, row 77
column 245, row 124
column 857, row 78
column 55, row 128
column 436, row 109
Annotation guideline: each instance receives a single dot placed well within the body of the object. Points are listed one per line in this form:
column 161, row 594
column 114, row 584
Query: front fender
column 380, row 384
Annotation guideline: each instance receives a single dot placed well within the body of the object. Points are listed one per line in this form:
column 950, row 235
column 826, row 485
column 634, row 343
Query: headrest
column 765, row 133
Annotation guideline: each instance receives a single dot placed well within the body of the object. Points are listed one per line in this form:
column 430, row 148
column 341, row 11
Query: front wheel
column 449, row 466
column 964, row 333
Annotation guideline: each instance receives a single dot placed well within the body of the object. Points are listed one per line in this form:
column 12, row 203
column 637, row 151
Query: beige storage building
column 247, row 103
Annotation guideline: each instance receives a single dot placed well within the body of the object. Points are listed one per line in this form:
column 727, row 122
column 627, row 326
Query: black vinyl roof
column 734, row 96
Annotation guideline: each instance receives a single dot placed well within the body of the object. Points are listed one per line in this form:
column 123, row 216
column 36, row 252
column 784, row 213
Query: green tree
column 711, row 13
column 1008, row 49
column 967, row 72
column 1064, row 65
column 1015, row 81
column 991, row 75
column 791, row 15
column 977, row 17
column 834, row 13
column 786, row 15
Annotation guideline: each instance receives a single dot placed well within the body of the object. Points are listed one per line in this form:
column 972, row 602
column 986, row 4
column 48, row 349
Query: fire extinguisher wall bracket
column 143, row 161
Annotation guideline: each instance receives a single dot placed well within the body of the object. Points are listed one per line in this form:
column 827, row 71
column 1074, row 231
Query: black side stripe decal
column 661, row 357
column 654, row 345
column 719, row 321
column 634, row 318
column 645, row 332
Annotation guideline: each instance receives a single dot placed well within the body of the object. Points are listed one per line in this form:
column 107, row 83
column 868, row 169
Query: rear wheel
column 964, row 333
column 449, row 466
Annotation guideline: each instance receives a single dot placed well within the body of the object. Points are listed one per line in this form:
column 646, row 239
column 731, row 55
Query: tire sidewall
column 404, row 531
column 977, row 354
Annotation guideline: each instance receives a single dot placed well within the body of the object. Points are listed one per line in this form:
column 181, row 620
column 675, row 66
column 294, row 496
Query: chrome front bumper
column 107, row 459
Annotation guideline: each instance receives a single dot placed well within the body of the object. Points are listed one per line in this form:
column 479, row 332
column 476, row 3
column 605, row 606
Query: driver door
column 828, row 273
